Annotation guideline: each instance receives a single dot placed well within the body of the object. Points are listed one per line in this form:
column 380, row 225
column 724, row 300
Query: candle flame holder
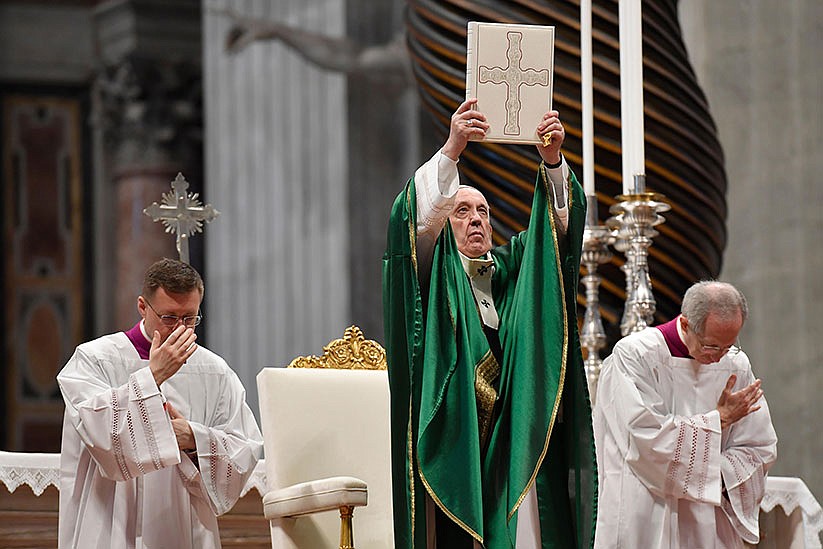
column 596, row 241
column 634, row 217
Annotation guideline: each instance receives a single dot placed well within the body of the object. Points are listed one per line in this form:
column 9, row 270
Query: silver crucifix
column 181, row 214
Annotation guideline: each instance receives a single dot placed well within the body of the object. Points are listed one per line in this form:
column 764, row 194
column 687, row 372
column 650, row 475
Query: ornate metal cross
column 513, row 76
column 181, row 214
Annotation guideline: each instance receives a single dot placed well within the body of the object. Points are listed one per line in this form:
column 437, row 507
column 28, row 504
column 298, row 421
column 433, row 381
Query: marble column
column 145, row 115
column 307, row 146
column 147, row 126
column 384, row 147
column 139, row 240
column 278, row 281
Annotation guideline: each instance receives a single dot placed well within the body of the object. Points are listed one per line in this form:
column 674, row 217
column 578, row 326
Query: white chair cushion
column 325, row 494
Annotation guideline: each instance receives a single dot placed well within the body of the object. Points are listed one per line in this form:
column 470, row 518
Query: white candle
column 631, row 92
column 586, row 93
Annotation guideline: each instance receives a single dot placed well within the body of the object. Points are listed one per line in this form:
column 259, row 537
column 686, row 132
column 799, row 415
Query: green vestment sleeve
column 540, row 431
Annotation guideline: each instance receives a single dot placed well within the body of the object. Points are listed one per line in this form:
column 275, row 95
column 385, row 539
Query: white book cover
column 510, row 69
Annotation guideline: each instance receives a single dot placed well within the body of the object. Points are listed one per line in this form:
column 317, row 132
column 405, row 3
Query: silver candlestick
column 635, row 216
column 596, row 240
column 623, row 245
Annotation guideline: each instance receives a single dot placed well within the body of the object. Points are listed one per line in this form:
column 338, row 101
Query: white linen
column 123, row 480
column 36, row 470
column 799, row 522
column 663, row 461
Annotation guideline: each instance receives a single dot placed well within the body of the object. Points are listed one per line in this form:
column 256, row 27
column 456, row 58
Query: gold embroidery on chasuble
column 485, row 374
column 479, row 272
column 412, row 228
column 410, row 458
column 546, row 180
column 412, row 232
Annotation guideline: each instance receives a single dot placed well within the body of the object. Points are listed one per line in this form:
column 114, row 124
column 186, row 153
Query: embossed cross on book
column 509, row 70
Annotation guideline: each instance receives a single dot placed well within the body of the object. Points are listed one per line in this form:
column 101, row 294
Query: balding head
column 721, row 299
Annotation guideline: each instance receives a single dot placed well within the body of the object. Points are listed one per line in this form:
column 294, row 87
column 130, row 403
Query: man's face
column 471, row 223
column 164, row 303
column 718, row 335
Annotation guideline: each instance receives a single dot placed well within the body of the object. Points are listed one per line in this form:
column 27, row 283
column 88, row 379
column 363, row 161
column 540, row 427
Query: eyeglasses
column 731, row 350
column 172, row 320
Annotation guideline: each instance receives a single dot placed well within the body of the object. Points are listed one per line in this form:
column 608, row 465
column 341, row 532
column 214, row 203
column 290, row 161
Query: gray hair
column 712, row 296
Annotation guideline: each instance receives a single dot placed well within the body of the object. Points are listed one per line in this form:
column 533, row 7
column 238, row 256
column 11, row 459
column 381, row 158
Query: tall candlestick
column 586, row 93
column 631, row 95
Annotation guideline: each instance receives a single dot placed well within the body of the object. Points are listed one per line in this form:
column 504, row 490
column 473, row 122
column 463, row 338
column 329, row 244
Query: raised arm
column 437, row 180
column 553, row 134
column 466, row 123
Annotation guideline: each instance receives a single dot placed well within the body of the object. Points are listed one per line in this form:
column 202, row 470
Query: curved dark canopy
column 684, row 160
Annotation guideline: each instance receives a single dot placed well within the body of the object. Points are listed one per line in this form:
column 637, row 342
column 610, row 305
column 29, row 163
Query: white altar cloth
column 38, row 471
column 803, row 523
column 799, row 529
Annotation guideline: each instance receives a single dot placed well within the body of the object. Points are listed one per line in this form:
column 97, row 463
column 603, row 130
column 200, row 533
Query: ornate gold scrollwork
column 351, row 352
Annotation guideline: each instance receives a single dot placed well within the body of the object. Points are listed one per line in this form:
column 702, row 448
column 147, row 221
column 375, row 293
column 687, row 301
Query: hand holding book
column 467, row 124
column 509, row 69
column 550, row 127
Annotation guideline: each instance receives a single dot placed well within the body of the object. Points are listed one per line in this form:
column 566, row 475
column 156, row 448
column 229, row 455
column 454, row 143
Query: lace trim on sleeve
column 216, row 458
column 688, row 464
column 116, row 442
column 147, row 428
column 742, row 504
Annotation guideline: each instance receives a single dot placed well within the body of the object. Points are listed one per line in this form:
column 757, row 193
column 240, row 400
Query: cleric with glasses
column 189, row 321
column 157, row 437
column 683, row 431
column 717, row 350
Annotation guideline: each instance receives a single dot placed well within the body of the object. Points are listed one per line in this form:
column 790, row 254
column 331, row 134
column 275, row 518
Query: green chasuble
column 473, row 434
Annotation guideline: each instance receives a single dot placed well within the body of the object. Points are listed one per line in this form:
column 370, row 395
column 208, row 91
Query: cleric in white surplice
column 157, row 437
column 683, row 433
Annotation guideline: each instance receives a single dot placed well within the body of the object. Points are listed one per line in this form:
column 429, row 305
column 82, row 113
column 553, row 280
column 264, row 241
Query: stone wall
column 759, row 65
